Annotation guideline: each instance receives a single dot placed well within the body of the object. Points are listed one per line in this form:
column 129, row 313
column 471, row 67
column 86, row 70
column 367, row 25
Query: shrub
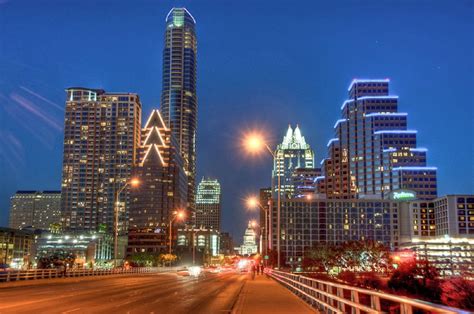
column 370, row 280
column 458, row 292
column 347, row 276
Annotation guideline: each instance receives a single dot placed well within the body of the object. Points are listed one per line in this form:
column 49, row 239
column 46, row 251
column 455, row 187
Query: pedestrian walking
column 252, row 269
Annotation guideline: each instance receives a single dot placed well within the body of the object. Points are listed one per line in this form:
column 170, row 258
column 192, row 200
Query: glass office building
column 178, row 95
column 373, row 151
column 208, row 204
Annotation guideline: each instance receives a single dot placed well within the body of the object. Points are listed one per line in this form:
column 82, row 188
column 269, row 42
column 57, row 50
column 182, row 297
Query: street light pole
column 278, row 203
column 132, row 182
column 116, row 221
column 254, row 143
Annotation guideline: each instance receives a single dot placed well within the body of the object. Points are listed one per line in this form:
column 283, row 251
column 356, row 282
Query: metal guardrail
column 338, row 298
column 32, row 274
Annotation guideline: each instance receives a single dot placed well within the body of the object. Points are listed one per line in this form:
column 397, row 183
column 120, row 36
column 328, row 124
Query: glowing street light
column 176, row 215
column 133, row 182
column 254, row 143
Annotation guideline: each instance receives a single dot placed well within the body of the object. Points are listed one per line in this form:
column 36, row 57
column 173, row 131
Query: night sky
column 261, row 64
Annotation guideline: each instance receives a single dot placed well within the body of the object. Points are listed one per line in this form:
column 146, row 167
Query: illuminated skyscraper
column 293, row 153
column 208, row 204
column 101, row 141
column 162, row 189
column 373, row 152
column 178, row 96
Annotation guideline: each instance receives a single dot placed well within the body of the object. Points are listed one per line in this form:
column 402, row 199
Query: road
column 138, row 293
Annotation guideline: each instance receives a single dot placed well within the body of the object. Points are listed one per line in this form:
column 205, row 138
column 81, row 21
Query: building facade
column 292, row 154
column 197, row 245
column 178, row 95
column 208, row 204
column 306, row 222
column 447, row 216
column 35, row 209
column 101, row 141
column 16, row 248
column 87, row 247
column 373, row 151
column 161, row 191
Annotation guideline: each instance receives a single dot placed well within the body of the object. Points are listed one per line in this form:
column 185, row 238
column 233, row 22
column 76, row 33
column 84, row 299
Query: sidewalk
column 264, row 295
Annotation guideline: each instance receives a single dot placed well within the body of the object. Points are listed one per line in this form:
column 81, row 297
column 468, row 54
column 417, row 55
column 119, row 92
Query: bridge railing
column 339, row 298
column 32, row 274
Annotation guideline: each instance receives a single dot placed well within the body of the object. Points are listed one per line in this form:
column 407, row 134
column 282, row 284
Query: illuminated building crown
column 293, row 140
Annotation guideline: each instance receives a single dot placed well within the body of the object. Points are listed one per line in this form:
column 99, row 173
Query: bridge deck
column 264, row 295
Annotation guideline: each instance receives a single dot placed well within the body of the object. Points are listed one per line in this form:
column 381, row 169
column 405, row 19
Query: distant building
column 101, row 142
column 226, row 244
column 162, row 189
column 197, row 245
column 179, row 101
column 16, row 248
column 208, row 204
column 35, row 209
column 293, row 153
column 249, row 246
column 373, row 152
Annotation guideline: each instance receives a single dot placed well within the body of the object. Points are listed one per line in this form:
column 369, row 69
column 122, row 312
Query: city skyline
column 320, row 111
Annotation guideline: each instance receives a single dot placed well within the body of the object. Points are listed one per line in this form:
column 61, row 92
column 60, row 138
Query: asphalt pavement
column 137, row 293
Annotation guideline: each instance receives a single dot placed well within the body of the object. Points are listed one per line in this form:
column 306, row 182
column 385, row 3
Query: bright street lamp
column 134, row 182
column 175, row 215
column 255, row 143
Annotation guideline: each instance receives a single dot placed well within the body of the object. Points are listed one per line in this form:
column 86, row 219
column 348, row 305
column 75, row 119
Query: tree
column 322, row 257
column 143, row 259
column 417, row 277
column 167, row 258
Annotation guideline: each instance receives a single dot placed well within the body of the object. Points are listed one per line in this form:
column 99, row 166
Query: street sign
column 265, row 257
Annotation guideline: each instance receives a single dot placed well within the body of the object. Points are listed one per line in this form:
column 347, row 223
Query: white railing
column 32, row 274
column 332, row 297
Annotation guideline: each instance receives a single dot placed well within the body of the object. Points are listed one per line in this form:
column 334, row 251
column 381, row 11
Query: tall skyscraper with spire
column 292, row 154
column 178, row 96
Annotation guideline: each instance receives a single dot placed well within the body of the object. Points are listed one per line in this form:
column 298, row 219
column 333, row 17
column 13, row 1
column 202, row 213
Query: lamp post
column 252, row 202
column 133, row 182
column 176, row 214
column 254, row 143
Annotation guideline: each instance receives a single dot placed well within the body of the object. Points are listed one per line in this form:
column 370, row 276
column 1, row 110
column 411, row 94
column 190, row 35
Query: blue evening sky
column 261, row 64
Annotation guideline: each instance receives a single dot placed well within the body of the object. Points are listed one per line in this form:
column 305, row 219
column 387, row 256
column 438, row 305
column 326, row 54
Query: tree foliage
column 355, row 256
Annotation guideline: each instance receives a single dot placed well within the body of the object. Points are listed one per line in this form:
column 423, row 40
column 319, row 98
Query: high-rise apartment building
column 373, row 151
column 292, row 154
column 208, row 204
column 162, row 189
column 178, row 95
column 101, row 141
column 35, row 209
